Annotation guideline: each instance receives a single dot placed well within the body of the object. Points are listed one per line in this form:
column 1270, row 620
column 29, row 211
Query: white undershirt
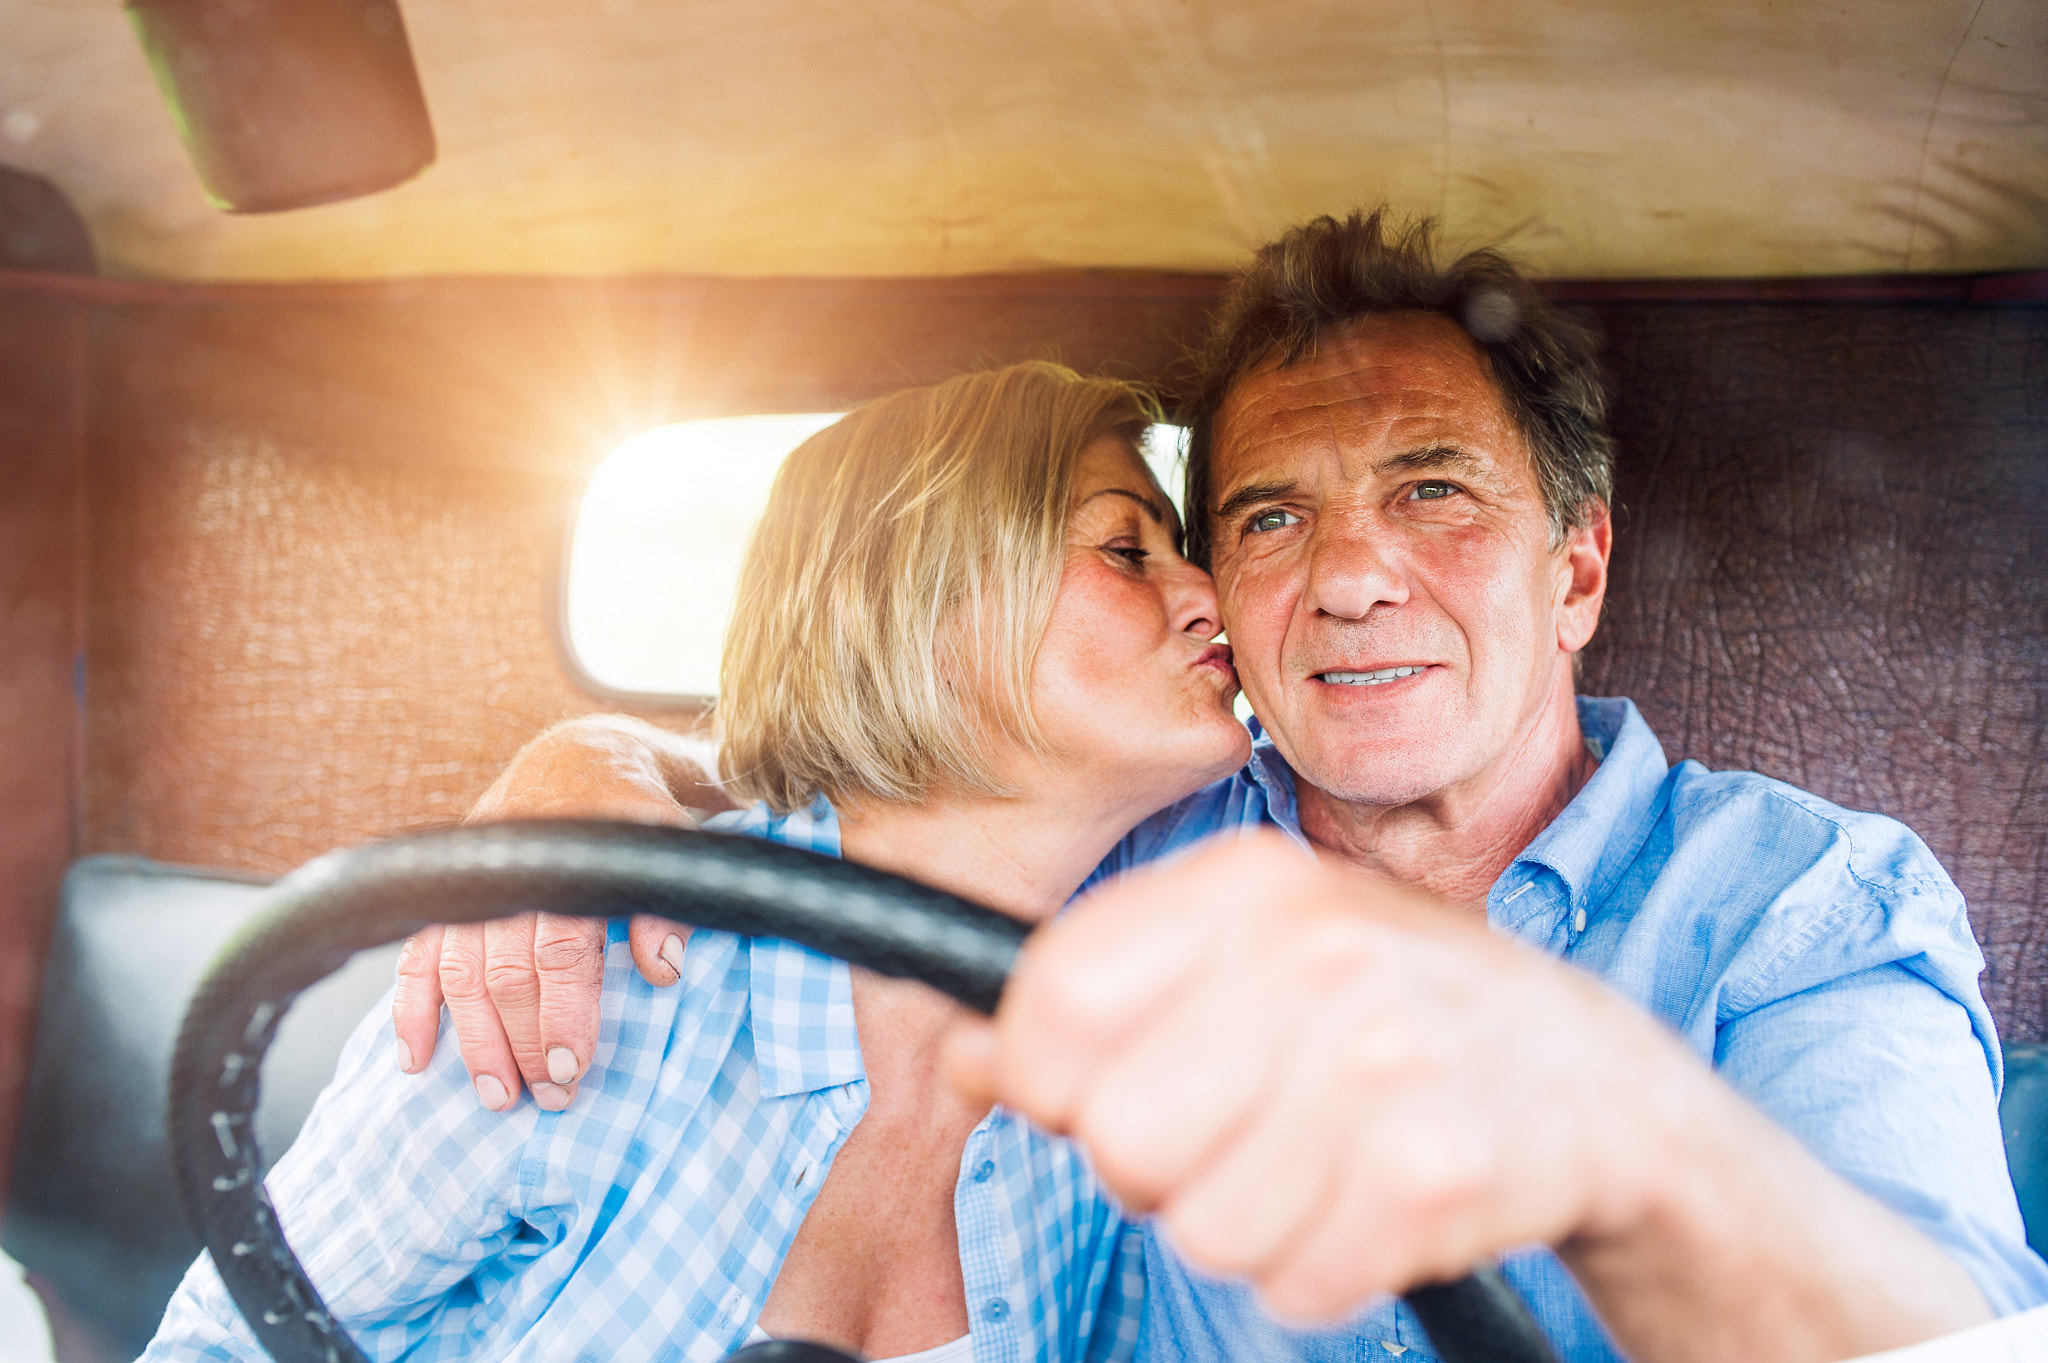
column 960, row 1350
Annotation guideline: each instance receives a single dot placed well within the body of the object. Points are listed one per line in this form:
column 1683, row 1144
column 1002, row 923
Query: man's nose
column 1353, row 566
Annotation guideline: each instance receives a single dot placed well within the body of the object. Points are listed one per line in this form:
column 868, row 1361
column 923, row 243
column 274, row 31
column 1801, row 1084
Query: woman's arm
column 523, row 992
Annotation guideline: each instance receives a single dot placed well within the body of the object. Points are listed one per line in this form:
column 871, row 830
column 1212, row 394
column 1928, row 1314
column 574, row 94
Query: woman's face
column 1128, row 686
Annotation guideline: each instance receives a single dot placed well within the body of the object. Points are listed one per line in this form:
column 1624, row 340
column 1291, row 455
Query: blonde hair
column 893, row 597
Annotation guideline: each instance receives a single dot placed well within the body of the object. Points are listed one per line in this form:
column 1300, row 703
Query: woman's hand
column 523, row 992
column 1336, row 1088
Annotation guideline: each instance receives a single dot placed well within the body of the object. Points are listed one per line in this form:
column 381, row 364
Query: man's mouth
column 1379, row 677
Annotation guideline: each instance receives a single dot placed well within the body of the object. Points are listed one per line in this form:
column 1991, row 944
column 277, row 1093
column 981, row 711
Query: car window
column 654, row 555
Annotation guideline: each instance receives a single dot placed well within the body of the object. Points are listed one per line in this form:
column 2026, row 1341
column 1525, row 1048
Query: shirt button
column 1579, row 920
column 996, row 1309
column 984, row 1171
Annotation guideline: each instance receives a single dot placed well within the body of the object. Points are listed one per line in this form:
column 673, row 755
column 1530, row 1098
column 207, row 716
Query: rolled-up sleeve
column 1885, row 1078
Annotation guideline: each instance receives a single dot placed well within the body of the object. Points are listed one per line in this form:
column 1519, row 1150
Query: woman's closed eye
column 1128, row 550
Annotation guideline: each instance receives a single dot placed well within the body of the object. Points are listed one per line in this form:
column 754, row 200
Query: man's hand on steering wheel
column 1333, row 1087
column 523, row 992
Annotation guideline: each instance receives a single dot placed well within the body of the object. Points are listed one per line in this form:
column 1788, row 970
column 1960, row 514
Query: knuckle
column 1437, row 1192
column 1303, row 1293
column 510, row 981
column 569, row 950
column 406, row 998
column 1126, row 1155
column 1077, row 1001
column 462, row 976
column 1210, row 1237
column 414, row 960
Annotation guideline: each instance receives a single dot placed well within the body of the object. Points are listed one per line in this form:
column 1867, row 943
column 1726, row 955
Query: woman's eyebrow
column 1151, row 507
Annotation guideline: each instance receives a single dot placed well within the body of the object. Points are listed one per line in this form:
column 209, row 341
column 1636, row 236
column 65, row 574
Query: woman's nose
column 1191, row 600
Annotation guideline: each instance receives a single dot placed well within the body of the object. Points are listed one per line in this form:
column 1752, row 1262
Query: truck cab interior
column 290, row 487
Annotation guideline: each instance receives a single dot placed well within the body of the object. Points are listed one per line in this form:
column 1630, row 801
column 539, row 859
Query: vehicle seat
column 2023, row 1111
column 93, row 1213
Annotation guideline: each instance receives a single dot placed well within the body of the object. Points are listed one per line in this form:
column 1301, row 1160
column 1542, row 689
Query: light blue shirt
column 648, row 1222
column 1819, row 958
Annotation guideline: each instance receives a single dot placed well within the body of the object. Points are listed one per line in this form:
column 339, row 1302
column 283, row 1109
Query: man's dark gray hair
column 1325, row 274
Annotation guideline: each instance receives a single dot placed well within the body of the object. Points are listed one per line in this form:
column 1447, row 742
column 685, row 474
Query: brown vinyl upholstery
column 1826, row 570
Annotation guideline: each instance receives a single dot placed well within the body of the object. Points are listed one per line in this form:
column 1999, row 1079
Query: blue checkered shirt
column 649, row 1221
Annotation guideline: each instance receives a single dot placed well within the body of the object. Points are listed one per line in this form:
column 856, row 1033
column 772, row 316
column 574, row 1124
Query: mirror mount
column 289, row 103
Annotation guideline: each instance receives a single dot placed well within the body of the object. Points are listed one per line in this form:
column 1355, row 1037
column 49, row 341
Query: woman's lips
column 1217, row 656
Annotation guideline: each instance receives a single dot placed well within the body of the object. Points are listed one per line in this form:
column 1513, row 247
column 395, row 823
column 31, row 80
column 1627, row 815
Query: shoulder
column 1802, row 890
column 815, row 828
column 1776, row 829
column 1786, row 850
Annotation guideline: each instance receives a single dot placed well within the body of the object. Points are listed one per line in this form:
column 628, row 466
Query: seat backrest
column 2023, row 1112
column 1827, row 569
column 93, row 1209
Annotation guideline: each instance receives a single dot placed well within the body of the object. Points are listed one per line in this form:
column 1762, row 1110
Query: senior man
column 1328, row 1086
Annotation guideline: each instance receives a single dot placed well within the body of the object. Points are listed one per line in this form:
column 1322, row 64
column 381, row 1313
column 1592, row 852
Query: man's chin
column 1379, row 778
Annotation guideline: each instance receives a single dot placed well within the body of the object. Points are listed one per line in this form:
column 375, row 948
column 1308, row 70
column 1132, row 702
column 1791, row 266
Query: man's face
column 1375, row 509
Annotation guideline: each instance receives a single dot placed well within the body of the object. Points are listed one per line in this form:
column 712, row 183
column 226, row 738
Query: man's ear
column 1584, row 556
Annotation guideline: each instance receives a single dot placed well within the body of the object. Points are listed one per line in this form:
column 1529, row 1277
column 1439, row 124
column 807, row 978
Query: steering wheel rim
column 315, row 919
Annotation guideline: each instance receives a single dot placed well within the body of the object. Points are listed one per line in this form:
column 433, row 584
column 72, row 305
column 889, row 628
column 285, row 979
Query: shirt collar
column 800, row 1003
column 1590, row 844
column 1275, row 779
column 1586, row 847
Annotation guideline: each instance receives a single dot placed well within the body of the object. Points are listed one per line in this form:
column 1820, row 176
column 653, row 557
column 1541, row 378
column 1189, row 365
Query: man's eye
column 1275, row 519
column 1431, row 492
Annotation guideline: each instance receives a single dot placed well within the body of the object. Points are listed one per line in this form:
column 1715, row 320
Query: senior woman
column 965, row 648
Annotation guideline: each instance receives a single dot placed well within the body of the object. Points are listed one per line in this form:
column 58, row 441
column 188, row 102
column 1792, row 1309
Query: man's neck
column 1455, row 842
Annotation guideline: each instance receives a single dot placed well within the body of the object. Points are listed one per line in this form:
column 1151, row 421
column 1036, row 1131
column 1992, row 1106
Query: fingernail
column 404, row 1058
column 551, row 1097
column 672, row 952
column 561, row 1064
column 491, row 1093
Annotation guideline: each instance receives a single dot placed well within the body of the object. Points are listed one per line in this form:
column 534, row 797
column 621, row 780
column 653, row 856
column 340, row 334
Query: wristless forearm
column 1739, row 1244
column 606, row 766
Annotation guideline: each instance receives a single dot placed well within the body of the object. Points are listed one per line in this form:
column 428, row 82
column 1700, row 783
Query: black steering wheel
column 325, row 912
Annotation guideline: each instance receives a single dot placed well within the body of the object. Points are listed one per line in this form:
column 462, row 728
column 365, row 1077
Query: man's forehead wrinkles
column 1343, row 420
column 1347, row 391
column 1373, row 409
column 1365, row 440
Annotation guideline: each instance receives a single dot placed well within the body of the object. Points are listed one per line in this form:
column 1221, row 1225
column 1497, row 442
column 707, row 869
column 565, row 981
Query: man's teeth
column 1385, row 674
